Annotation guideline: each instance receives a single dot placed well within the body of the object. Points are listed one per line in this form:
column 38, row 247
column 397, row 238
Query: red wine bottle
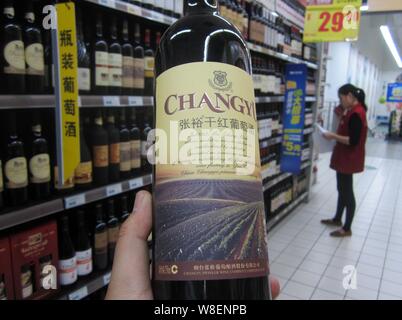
column 209, row 243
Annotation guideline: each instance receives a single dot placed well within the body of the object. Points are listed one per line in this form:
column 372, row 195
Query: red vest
column 350, row 159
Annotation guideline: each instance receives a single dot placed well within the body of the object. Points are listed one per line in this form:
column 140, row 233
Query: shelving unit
column 280, row 178
column 277, row 99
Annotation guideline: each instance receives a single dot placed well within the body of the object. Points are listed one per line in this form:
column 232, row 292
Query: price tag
column 79, row 294
column 109, row 101
column 147, row 180
column 113, row 190
column 107, row 3
column 136, row 183
column 157, row 16
column 106, row 278
column 74, row 201
column 133, row 10
column 135, row 101
column 146, row 13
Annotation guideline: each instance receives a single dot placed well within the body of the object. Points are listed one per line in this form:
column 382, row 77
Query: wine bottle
column 112, row 229
column 115, row 60
column 128, row 61
column 67, row 258
column 34, row 52
column 100, row 240
column 48, row 82
column 100, row 60
column 39, row 162
column 124, row 210
column 84, row 60
column 139, row 63
column 15, row 165
column 100, row 151
column 125, row 147
column 82, row 246
column 135, row 144
column 12, row 52
column 145, row 165
column 26, row 281
column 194, row 70
column 83, row 174
column 1, row 185
column 149, row 65
column 114, row 147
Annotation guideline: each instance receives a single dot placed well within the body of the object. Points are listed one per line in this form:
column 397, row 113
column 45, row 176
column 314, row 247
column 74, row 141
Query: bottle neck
column 137, row 35
column 125, row 32
column 37, row 129
column 99, row 28
column 147, row 38
column 194, row 7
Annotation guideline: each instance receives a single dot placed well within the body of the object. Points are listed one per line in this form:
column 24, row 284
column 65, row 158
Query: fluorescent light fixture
column 391, row 45
column 364, row 8
column 275, row 14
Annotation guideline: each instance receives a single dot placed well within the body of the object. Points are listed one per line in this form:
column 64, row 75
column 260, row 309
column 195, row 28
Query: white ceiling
column 371, row 42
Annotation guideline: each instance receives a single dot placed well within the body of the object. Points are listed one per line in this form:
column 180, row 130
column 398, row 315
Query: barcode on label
column 111, row 101
column 136, row 183
column 74, row 201
column 106, row 279
column 108, row 3
column 135, row 101
column 113, row 190
column 79, row 294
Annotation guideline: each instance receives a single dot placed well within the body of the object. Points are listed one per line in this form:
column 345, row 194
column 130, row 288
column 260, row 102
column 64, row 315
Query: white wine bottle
column 209, row 237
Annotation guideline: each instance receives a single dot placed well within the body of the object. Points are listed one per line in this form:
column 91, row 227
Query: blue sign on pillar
column 293, row 117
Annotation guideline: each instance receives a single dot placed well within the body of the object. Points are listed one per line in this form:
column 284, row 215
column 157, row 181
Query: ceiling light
column 391, row 45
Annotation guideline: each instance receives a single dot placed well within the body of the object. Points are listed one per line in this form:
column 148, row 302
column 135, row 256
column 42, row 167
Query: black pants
column 346, row 199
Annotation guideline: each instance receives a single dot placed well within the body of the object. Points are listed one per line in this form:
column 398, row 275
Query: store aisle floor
column 309, row 263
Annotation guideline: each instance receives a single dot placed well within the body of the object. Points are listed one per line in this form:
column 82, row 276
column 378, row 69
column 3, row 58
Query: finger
column 275, row 287
column 130, row 275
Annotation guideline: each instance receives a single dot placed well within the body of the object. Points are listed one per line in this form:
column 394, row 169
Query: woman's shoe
column 331, row 222
column 341, row 233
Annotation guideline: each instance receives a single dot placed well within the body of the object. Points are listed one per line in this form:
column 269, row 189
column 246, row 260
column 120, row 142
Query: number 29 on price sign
column 336, row 21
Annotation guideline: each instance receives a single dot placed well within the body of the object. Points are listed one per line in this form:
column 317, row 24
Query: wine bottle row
column 113, row 148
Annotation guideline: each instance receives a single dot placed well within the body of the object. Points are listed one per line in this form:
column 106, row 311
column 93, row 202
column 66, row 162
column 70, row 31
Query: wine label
column 102, row 68
column 14, row 54
column 135, row 154
column 115, row 70
column 1, row 177
column 114, row 153
column 84, row 262
column 125, row 156
column 83, row 173
column 139, row 73
column 84, row 79
column 69, row 183
column 68, row 271
column 149, row 67
column 128, row 72
column 39, row 167
column 35, row 60
column 101, row 156
column 16, row 172
column 207, row 142
column 101, row 240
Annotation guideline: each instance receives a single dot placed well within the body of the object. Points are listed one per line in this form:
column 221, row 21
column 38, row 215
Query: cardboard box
column 31, row 250
column 6, row 273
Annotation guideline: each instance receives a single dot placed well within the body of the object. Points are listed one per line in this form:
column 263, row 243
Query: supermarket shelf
column 135, row 10
column 34, row 212
column 272, row 141
column 26, row 101
column 311, row 99
column 281, row 56
column 280, row 216
column 275, row 99
column 308, row 131
column 282, row 177
column 83, row 288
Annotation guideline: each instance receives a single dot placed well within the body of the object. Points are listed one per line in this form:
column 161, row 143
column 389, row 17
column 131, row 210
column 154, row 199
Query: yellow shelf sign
column 336, row 20
column 67, row 111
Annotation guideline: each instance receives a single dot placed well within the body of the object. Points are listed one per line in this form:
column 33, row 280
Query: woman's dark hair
column 358, row 93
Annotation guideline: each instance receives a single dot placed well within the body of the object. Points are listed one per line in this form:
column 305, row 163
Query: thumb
column 130, row 275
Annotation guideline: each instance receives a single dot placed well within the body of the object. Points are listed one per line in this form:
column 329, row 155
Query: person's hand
column 131, row 269
column 328, row 135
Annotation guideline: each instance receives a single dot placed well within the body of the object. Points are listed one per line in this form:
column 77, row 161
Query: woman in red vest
column 349, row 154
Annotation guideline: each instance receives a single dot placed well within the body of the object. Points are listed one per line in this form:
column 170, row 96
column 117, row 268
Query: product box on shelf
column 31, row 251
column 6, row 273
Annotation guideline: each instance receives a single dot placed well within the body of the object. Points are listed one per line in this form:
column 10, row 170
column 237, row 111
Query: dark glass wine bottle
column 115, row 60
column 128, row 61
column 139, row 63
column 39, row 162
column 114, row 147
column 135, row 143
column 48, row 62
column 83, row 175
column 112, row 229
column 100, row 240
column 15, row 165
column 149, row 65
column 124, row 210
column 82, row 246
column 12, row 52
column 100, row 150
column 67, row 259
column 125, row 147
column 34, row 52
column 100, row 60
column 84, row 60
column 1, row 184
column 206, row 253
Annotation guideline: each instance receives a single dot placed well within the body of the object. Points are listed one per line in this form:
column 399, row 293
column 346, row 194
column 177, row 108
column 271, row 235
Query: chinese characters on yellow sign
column 333, row 20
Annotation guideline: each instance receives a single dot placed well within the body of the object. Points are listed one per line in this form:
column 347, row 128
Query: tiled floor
column 310, row 264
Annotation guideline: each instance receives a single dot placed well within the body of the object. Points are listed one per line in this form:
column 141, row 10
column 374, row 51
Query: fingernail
column 139, row 201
